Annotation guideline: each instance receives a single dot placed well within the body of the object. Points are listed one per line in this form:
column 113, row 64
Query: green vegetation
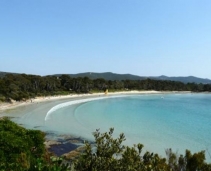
column 119, row 77
column 110, row 154
column 21, row 86
column 23, row 150
column 107, row 76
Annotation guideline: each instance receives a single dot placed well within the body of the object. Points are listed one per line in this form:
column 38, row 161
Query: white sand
column 14, row 104
column 32, row 114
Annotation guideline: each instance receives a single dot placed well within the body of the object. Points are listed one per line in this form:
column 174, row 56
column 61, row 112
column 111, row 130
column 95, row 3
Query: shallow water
column 177, row 121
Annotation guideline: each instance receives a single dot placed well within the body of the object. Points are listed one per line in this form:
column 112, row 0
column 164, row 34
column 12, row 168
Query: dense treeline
column 19, row 87
column 23, row 150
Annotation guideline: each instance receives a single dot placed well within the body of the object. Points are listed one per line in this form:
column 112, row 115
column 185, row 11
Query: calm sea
column 161, row 121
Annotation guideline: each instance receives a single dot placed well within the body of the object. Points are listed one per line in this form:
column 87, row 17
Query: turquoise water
column 177, row 121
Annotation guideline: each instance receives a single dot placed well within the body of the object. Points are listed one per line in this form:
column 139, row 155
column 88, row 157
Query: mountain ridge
column 118, row 77
column 115, row 76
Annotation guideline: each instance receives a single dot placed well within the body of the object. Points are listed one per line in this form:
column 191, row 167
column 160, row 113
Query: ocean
column 158, row 121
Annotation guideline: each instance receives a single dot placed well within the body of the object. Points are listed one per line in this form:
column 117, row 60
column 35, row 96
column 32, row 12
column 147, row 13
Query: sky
column 140, row 37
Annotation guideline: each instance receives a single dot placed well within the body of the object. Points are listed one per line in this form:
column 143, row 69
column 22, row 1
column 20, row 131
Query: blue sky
column 141, row 37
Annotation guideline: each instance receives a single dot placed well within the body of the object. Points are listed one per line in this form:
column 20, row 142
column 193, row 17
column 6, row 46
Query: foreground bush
column 110, row 155
column 24, row 150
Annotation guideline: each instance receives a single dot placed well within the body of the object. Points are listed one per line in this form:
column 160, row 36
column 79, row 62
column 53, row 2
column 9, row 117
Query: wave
column 59, row 106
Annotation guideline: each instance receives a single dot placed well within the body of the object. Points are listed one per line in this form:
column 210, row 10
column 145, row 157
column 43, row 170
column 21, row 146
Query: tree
column 23, row 150
column 109, row 154
column 19, row 147
column 195, row 161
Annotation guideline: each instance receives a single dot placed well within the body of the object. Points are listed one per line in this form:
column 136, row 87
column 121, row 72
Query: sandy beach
column 71, row 134
column 54, row 143
column 15, row 104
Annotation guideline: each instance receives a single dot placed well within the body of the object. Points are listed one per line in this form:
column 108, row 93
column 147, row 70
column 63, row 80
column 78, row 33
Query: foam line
column 59, row 106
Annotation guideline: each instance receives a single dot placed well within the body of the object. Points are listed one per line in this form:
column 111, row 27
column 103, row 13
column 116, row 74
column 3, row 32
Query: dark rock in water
column 62, row 144
column 60, row 149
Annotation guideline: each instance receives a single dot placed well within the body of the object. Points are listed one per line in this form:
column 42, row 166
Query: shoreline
column 69, row 140
column 14, row 104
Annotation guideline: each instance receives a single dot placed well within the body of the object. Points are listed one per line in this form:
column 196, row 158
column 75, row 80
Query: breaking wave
column 59, row 106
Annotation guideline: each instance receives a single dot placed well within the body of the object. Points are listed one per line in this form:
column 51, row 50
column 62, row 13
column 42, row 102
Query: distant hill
column 189, row 79
column 2, row 74
column 106, row 76
column 114, row 76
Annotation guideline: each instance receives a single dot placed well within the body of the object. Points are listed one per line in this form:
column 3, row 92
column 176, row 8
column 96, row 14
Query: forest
column 21, row 86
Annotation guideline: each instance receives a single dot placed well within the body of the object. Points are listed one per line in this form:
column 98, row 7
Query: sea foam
column 62, row 105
